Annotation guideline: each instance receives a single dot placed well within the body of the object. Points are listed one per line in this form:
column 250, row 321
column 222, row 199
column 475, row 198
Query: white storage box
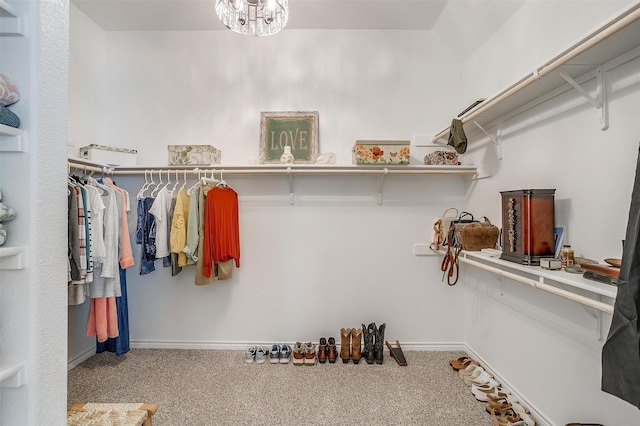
column 110, row 155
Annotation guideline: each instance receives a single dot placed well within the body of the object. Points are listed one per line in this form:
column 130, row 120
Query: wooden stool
column 134, row 414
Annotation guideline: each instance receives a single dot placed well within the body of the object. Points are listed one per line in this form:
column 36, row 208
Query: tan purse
column 478, row 235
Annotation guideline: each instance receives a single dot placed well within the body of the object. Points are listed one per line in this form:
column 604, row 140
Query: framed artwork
column 297, row 129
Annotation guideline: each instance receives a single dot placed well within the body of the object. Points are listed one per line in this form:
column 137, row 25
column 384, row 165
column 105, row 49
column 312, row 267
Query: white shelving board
column 11, row 139
column 13, row 257
column 13, row 375
column 599, row 47
column 10, row 23
column 539, row 278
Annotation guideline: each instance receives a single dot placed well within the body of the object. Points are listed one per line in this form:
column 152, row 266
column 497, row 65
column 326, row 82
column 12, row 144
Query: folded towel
column 8, row 118
column 457, row 138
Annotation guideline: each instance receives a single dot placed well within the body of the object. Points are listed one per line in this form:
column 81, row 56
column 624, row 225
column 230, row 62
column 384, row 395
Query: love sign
column 299, row 130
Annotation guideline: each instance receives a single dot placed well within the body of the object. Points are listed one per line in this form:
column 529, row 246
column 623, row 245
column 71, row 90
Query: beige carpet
column 215, row 387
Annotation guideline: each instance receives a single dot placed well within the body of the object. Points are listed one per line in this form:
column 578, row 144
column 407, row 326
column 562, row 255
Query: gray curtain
column 621, row 351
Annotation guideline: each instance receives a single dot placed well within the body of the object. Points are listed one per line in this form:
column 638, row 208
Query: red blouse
column 221, row 228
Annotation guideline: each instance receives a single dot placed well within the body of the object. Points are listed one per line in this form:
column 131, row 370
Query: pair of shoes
column 504, row 417
column 373, row 343
column 257, row 354
column 327, row 350
column 350, row 344
column 280, row 354
column 509, row 403
column 480, row 377
column 304, row 354
column 462, row 363
column 486, row 392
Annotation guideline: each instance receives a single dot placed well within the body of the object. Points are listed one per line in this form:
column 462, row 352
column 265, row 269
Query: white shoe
column 480, row 378
column 470, row 369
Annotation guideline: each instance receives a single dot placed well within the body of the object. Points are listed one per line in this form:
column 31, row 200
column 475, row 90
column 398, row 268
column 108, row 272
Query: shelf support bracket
column 600, row 103
column 497, row 140
column 292, row 195
column 381, row 184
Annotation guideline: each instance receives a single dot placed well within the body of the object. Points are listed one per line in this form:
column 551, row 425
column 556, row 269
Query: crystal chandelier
column 253, row 17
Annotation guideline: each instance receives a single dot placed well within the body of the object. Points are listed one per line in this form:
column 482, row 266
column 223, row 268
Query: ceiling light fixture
column 253, row 17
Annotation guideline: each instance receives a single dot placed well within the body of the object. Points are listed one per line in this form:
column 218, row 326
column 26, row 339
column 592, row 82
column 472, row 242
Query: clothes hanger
column 195, row 185
column 144, row 186
column 184, row 182
column 212, row 179
column 159, row 185
column 173, row 190
column 222, row 182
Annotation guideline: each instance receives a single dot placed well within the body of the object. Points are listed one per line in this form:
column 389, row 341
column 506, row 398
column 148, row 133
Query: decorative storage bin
column 442, row 158
column 381, row 152
column 528, row 219
column 109, row 155
column 193, row 154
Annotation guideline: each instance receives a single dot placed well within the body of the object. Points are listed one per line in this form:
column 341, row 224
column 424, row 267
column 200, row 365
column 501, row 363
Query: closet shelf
column 539, row 278
column 616, row 37
column 11, row 139
column 279, row 169
column 13, row 257
column 13, row 375
column 288, row 171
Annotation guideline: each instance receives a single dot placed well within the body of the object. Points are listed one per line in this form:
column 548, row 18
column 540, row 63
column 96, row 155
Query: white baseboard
column 79, row 359
column 541, row 420
column 175, row 344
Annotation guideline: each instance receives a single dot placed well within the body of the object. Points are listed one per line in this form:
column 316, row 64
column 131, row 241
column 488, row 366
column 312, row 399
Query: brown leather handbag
column 479, row 235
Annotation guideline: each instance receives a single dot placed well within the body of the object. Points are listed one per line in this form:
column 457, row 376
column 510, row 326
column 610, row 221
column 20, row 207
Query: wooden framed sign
column 297, row 129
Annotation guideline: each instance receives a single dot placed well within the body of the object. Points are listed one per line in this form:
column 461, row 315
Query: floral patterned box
column 193, row 154
column 109, row 155
column 381, row 152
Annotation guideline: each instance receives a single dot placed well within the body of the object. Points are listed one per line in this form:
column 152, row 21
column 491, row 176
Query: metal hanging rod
column 268, row 169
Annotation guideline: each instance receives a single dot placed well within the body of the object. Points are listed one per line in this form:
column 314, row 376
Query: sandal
column 470, row 369
column 504, row 417
column 480, row 378
column 486, row 392
column 462, row 363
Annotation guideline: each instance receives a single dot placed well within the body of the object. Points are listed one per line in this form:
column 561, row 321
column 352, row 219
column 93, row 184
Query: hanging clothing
column 200, row 278
column 160, row 210
column 119, row 345
column 103, row 318
column 621, row 351
column 175, row 266
column 146, row 235
column 191, row 246
column 222, row 232
column 126, row 253
column 179, row 224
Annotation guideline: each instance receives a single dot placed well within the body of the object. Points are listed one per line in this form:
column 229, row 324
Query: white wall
column 546, row 347
column 335, row 258
column 32, row 300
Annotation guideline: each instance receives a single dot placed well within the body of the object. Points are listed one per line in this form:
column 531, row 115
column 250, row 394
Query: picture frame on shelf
column 558, row 232
column 297, row 129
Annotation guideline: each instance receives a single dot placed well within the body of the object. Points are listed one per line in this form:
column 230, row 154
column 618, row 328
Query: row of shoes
column 278, row 354
column 351, row 348
column 504, row 408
